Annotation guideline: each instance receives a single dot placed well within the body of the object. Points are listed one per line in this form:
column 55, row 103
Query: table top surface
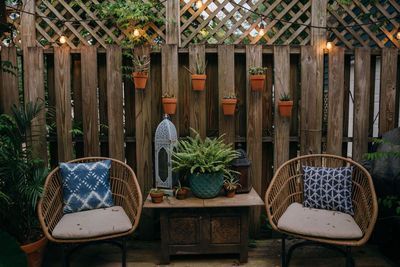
column 239, row 200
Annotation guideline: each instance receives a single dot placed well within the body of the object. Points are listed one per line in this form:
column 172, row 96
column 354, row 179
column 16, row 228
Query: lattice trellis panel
column 223, row 21
column 97, row 32
column 343, row 17
column 13, row 38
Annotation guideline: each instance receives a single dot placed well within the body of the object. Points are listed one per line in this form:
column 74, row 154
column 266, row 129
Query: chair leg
column 123, row 252
column 349, row 259
column 64, row 257
column 283, row 251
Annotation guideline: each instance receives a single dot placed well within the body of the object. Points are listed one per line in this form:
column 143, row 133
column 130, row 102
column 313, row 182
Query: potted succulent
column 257, row 77
column 229, row 104
column 181, row 191
column 157, row 195
column 169, row 102
column 141, row 67
column 198, row 76
column 22, row 176
column 230, row 186
column 285, row 105
column 206, row 161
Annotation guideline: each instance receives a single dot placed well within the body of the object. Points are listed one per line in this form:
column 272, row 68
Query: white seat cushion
column 319, row 223
column 91, row 223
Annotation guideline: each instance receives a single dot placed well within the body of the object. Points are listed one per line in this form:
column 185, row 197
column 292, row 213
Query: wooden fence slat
column 34, row 90
column 197, row 99
column 170, row 79
column 103, row 102
column 347, row 69
column 89, row 101
column 335, row 101
column 130, row 121
column 62, row 79
column 372, row 94
column 115, row 103
column 51, row 120
column 362, row 64
column 282, row 124
column 388, row 90
column 295, row 93
column 311, row 102
column 254, row 132
column 9, row 88
column 226, row 86
column 173, row 31
column 77, row 96
column 267, row 96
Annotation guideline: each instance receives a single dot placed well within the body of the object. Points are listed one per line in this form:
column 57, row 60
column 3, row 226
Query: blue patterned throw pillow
column 86, row 186
column 328, row 188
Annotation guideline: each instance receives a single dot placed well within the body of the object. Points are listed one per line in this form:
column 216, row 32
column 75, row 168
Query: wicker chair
column 126, row 193
column 286, row 188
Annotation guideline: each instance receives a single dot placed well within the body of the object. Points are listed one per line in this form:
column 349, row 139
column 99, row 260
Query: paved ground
column 264, row 253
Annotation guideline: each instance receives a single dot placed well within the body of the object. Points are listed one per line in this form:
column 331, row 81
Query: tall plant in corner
column 22, row 175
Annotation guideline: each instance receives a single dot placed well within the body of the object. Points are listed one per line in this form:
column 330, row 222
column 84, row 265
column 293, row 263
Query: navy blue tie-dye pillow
column 328, row 188
column 86, row 186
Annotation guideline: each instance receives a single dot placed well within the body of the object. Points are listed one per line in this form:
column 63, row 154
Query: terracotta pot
column 230, row 192
column 157, row 197
column 285, row 108
column 35, row 252
column 140, row 79
column 228, row 106
column 198, row 81
column 169, row 105
column 257, row 82
column 181, row 194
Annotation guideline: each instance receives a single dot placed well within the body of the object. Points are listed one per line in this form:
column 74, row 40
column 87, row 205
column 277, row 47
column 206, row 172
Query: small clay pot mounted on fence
column 257, row 82
column 198, row 81
column 285, row 108
column 229, row 105
column 140, row 79
column 169, row 105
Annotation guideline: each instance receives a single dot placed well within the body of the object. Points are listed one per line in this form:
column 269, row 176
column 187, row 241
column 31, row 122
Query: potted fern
column 141, row 67
column 22, row 176
column 206, row 161
column 169, row 102
column 198, row 76
column 229, row 104
column 285, row 105
column 257, row 77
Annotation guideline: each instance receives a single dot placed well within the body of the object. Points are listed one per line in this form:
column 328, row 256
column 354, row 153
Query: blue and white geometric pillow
column 86, row 186
column 328, row 188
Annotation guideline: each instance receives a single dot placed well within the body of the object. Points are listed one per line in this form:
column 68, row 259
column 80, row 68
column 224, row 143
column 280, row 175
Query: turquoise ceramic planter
column 206, row 185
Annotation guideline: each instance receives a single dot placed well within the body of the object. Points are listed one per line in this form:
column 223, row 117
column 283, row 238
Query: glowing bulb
column 136, row 33
column 398, row 36
column 199, row 4
column 329, row 45
column 63, row 39
column 261, row 32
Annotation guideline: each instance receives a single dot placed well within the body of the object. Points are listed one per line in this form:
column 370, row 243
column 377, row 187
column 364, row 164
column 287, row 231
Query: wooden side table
column 205, row 226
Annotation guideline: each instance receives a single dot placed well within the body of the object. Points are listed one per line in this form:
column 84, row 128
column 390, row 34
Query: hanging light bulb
column 329, row 45
column 261, row 32
column 199, row 4
column 398, row 36
column 63, row 39
column 136, row 33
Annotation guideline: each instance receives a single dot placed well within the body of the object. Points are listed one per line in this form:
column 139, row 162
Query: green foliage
column 381, row 155
column 168, row 95
column 21, row 174
column 231, row 182
column 204, row 156
column 200, row 66
column 141, row 63
column 8, row 67
column 11, row 254
column 391, row 202
column 284, row 97
column 230, row 96
column 257, row 70
column 179, row 187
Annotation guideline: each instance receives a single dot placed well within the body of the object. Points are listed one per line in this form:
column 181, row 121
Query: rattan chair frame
column 124, row 187
column 286, row 187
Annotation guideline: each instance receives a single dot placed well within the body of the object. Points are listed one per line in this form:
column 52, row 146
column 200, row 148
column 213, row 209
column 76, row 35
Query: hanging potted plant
column 141, row 67
column 229, row 104
column 257, row 77
column 285, row 105
column 206, row 161
column 169, row 102
column 22, row 176
column 230, row 186
column 198, row 76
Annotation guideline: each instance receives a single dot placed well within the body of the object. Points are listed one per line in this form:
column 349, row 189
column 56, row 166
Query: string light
column 329, row 45
column 261, row 32
column 199, row 4
column 398, row 36
column 63, row 39
column 136, row 33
